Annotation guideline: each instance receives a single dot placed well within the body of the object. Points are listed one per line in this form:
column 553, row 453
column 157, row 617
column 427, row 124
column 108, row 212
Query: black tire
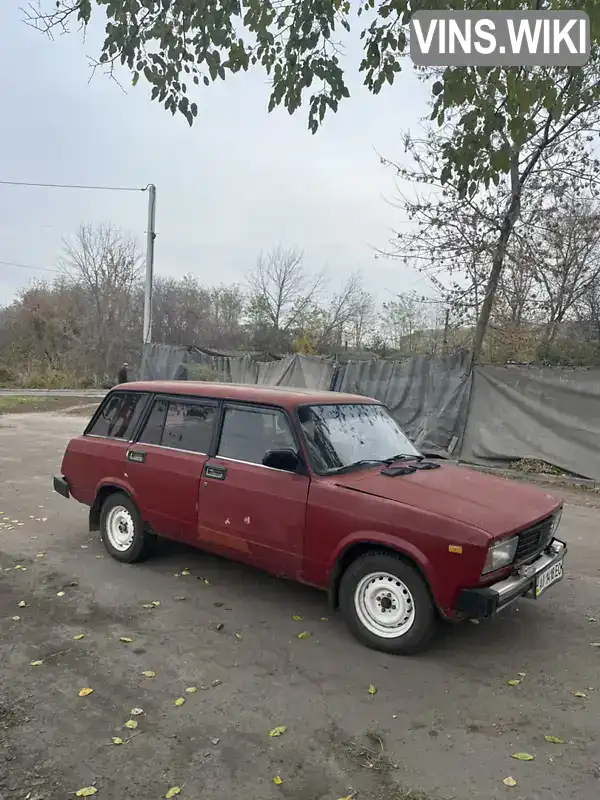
column 142, row 541
column 418, row 635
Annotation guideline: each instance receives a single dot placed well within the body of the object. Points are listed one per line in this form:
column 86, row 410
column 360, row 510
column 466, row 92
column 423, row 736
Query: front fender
column 375, row 538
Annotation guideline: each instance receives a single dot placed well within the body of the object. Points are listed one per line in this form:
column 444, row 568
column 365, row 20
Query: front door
column 251, row 512
column 165, row 465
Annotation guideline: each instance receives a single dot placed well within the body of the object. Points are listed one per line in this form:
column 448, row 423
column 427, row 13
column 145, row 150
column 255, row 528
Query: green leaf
column 278, row 731
column 87, row 791
column 437, row 88
column 553, row 740
column 523, row 756
column 173, row 791
column 372, row 689
column 303, row 635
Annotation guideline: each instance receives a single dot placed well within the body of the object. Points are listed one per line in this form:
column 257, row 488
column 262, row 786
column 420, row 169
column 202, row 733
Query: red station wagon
column 320, row 487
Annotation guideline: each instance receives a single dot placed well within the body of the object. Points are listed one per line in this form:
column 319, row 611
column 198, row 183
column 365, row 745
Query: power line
column 76, row 186
column 28, row 266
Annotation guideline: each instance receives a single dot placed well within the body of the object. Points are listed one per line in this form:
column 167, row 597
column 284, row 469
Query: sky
column 239, row 182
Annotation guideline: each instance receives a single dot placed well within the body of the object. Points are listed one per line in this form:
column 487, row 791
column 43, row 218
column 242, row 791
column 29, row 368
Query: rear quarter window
column 118, row 415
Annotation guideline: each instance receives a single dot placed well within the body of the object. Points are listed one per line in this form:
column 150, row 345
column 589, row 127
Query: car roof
column 286, row 396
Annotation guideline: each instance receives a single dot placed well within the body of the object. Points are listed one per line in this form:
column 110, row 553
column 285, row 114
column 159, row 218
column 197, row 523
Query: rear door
column 165, row 464
column 248, row 511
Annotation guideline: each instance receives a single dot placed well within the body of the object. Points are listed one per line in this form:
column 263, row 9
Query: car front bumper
column 61, row 486
column 487, row 601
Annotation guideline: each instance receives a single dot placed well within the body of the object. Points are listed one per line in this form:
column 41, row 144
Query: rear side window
column 183, row 426
column 249, row 433
column 119, row 415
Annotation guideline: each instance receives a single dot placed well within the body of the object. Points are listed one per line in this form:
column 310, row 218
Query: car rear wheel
column 387, row 604
column 122, row 529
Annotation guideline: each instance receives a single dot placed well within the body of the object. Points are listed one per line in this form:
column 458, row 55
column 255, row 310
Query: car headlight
column 500, row 554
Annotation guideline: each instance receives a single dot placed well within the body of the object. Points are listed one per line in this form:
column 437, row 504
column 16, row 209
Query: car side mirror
column 285, row 459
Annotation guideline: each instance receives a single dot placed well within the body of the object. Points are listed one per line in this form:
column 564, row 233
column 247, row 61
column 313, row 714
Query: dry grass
column 26, row 404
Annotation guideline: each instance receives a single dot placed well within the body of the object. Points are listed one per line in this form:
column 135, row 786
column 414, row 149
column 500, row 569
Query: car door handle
column 136, row 455
column 212, row 471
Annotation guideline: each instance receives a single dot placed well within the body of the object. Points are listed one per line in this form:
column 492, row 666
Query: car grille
column 533, row 540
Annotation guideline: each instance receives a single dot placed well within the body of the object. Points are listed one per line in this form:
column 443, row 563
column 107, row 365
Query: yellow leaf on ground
column 85, row 692
column 509, row 781
column 36, row 663
column 40, row 555
column 522, row 674
column 117, row 740
column 304, row 635
column 553, row 740
column 277, row 780
column 149, row 673
column 191, row 689
column 132, row 724
column 185, row 572
column 514, row 682
column 22, row 604
column 60, row 594
column 348, row 797
column 78, row 637
column 372, row 689
column 147, row 605
column 297, row 617
column 278, row 731
column 136, row 711
column 87, row 791
column 180, row 701
column 594, row 644
column 523, row 756
column 174, row 790
column 238, row 635
column 155, row 603
column 326, row 619
column 579, row 694
column 126, row 639
column 15, row 618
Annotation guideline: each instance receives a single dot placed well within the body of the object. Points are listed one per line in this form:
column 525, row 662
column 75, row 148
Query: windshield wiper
column 402, row 457
column 361, row 463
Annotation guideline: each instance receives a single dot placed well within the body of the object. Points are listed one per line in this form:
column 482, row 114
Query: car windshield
column 343, row 435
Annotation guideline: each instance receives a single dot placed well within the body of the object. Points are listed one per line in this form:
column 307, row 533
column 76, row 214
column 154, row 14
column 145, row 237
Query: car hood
column 496, row 505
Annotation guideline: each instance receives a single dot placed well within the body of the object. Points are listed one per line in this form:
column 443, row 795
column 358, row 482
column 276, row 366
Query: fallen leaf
column 348, row 797
column 207, row 582
column 591, row 619
column 180, row 701
column 147, row 605
column 278, row 730
column 117, row 740
column 372, row 689
column 553, row 740
column 277, row 780
column 523, row 756
column 192, row 689
column 149, row 673
column 522, row 674
column 185, row 572
column 216, row 682
column 36, row 663
column 87, row 791
column 179, row 598
column 579, row 694
column 22, row 604
column 296, row 617
column 218, row 626
column 15, row 618
column 215, row 741
column 156, row 603
column 60, row 594
column 514, row 682
column 40, row 555
column 126, row 639
column 78, row 637
column 326, row 619
column 136, row 711
column 131, row 724
column 174, row 790
column 85, row 692
column 594, row 644
column 509, row 781
column 304, row 635
column 238, row 635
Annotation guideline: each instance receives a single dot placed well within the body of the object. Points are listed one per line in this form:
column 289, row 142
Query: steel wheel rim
column 120, row 528
column 384, row 605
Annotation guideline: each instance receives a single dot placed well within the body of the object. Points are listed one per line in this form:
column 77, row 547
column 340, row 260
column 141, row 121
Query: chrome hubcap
column 384, row 605
column 120, row 528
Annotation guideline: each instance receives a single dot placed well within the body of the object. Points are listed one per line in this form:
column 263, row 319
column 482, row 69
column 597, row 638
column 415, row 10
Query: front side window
column 119, row 415
column 182, row 426
column 340, row 435
column 248, row 434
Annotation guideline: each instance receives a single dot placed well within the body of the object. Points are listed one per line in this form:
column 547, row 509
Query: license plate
column 546, row 578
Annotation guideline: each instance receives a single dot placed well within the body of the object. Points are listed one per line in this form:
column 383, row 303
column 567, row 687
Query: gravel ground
column 445, row 723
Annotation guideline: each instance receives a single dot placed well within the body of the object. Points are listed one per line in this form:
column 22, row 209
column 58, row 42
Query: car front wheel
column 122, row 529
column 387, row 604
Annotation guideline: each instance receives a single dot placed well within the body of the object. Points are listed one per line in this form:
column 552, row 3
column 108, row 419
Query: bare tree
column 281, row 291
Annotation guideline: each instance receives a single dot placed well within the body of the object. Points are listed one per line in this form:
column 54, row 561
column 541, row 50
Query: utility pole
column 150, row 237
column 446, row 327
